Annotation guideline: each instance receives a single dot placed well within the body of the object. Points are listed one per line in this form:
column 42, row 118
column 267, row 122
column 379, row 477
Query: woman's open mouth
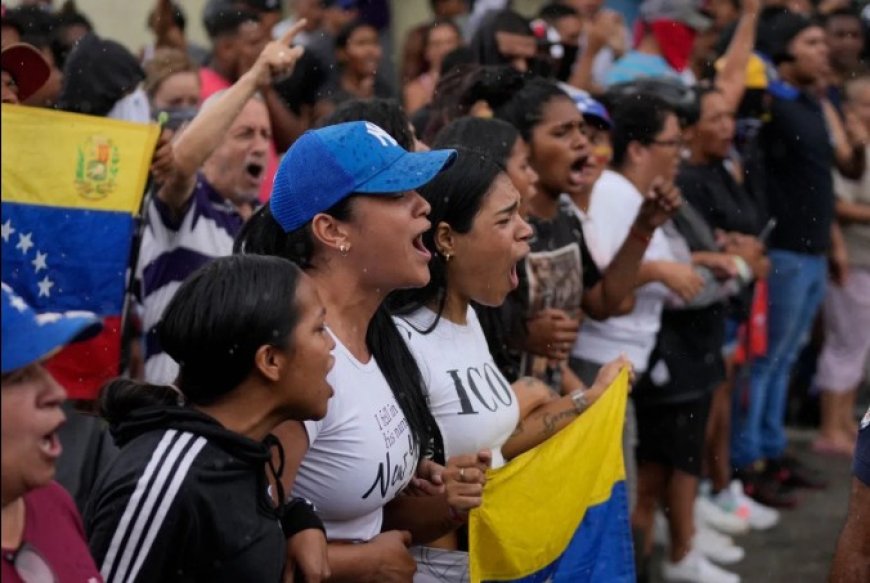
column 576, row 172
column 420, row 248
column 50, row 445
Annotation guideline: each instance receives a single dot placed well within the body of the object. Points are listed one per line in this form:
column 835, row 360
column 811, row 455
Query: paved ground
column 801, row 547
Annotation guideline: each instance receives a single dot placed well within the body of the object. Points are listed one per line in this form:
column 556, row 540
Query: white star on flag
column 45, row 287
column 39, row 263
column 24, row 242
column 17, row 303
column 6, row 230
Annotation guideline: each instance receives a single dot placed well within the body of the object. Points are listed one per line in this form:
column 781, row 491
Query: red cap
column 27, row 66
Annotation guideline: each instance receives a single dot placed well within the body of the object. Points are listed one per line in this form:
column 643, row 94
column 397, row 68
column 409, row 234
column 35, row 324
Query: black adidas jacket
column 185, row 500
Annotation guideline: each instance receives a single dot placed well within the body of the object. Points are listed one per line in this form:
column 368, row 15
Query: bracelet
column 639, row 235
column 744, row 272
column 580, row 400
column 298, row 515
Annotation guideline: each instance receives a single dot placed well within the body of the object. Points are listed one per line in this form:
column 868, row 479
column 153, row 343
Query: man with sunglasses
column 42, row 536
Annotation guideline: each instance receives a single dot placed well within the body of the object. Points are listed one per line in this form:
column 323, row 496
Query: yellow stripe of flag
column 533, row 505
column 61, row 159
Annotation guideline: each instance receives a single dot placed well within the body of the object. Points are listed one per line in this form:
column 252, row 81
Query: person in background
column 799, row 157
column 708, row 181
column 103, row 78
column 336, row 15
column 194, row 478
column 358, row 50
column 309, row 10
column 504, row 38
column 199, row 206
column 24, row 72
column 844, row 33
column 846, row 310
column 646, row 141
column 236, row 40
column 413, row 62
column 168, row 24
column 605, row 39
column 663, row 43
column 440, row 38
column 172, row 85
column 558, row 28
column 43, row 538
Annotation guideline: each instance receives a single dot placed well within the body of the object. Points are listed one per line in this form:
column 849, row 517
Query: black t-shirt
column 555, row 274
column 799, row 157
column 724, row 204
column 689, row 343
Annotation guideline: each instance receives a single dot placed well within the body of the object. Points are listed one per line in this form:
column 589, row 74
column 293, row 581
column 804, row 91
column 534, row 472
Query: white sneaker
column 695, row 568
column 735, row 501
column 661, row 536
column 715, row 546
column 712, row 515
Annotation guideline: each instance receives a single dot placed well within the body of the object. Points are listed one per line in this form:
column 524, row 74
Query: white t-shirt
column 360, row 455
column 473, row 404
column 613, row 207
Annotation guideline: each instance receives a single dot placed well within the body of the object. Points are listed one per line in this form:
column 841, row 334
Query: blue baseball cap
column 591, row 109
column 29, row 337
column 327, row 165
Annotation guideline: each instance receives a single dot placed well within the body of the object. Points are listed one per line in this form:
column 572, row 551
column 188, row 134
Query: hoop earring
column 344, row 248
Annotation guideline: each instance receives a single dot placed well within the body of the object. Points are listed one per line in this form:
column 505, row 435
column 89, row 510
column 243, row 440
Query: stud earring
column 344, row 248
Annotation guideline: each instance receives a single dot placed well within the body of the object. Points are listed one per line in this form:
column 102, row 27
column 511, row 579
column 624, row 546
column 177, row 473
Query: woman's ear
column 444, row 242
column 269, row 361
column 329, row 232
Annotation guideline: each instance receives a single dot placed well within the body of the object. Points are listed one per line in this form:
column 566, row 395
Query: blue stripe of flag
column 600, row 550
column 84, row 253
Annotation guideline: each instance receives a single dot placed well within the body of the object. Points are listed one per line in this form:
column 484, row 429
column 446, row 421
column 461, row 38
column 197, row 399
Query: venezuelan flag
column 71, row 185
column 559, row 512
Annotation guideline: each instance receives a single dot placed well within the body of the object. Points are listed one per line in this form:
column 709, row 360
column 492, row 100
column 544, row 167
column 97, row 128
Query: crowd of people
column 361, row 282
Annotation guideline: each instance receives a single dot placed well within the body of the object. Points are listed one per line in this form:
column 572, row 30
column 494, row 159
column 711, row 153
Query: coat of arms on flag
column 71, row 185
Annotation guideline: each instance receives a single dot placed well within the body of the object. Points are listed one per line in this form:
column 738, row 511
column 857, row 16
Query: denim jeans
column 796, row 286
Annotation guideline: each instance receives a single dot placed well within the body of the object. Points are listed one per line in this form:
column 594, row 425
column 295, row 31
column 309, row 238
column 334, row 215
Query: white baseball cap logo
column 382, row 136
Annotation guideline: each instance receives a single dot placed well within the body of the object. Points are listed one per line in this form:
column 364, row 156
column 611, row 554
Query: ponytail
column 121, row 397
column 400, row 369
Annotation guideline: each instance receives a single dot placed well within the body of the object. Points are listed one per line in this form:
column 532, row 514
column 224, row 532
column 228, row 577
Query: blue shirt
column 634, row 65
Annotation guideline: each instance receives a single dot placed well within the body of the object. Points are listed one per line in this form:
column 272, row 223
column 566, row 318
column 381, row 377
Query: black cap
column 97, row 73
column 776, row 33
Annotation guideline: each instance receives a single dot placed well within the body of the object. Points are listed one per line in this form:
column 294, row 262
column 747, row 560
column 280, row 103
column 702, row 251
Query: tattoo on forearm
column 551, row 420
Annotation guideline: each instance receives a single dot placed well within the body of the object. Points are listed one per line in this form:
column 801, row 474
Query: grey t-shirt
column 857, row 235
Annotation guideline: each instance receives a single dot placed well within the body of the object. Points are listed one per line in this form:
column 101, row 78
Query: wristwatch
column 581, row 402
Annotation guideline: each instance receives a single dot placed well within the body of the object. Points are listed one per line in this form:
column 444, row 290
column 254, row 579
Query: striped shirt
column 174, row 246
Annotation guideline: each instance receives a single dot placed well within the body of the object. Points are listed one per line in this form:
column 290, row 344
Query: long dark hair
column 384, row 113
column 524, row 108
column 213, row 326
column 456, row 196
column 496, row 139
column 492, row 137
column 262, row 235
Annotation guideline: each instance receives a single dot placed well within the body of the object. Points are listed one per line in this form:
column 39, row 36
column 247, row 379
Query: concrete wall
column 124, row 20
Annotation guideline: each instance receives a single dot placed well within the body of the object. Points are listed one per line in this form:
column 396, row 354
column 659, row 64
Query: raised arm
column 731, row 80
column 202, row 136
